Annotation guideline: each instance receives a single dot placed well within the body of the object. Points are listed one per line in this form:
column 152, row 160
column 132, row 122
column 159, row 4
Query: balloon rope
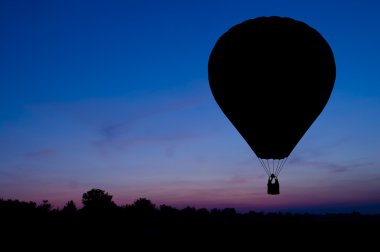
column 282, row 165
column 268, row 165
column 278, row 164
column 265, row 168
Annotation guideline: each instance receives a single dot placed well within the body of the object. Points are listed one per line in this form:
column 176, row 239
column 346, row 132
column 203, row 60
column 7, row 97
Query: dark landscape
column 100, row 222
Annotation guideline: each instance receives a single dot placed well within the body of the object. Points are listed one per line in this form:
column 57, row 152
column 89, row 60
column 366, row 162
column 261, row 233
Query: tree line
column 143, row 219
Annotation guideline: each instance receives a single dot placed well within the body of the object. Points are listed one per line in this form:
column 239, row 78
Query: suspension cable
column 282, row 165
column 274, row 168
column 263, row 165
column 278, row 163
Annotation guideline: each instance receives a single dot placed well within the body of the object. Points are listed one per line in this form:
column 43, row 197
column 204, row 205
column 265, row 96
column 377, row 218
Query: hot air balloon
column 271, row 77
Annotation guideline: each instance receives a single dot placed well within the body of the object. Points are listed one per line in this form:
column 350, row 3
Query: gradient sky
column 115, row 95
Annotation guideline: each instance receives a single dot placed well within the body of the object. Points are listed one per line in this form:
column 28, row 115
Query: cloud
column 332, row 167
column 119, row 123
column 239, row 180
column 41, row 154
column 341, row 162
column 118, row 111
column 112, row 130
column 162, row 142
column 155, row 124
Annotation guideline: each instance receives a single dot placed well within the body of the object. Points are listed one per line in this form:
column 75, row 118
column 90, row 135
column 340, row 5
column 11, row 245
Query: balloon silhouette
column 271, row 77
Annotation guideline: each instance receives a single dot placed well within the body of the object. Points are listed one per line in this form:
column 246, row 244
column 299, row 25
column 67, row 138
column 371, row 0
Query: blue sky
column 115, row 95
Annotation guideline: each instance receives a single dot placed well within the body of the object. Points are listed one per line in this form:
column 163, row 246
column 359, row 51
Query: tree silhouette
column 45, row 206
column 102, row 219
column 70, row 207
column 168, row 210
column 97, row 199
column 144, row 205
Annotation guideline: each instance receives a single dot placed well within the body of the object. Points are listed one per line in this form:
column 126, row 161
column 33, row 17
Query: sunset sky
column 115, row 95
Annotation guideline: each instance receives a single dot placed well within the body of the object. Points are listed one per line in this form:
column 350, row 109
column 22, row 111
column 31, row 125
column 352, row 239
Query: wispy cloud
column 117, row 124
column 239, row 180
column 141, row 128
column 112, row 130
column 165, row 142
column 40, row 154
column 313, row 158
column 117, row 111
column 332, row 167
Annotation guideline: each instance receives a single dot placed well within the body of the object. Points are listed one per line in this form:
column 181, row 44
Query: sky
column 115, row 95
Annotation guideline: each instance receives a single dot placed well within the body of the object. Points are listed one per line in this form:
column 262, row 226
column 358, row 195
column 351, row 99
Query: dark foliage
column 97, row 200
column 102, row 223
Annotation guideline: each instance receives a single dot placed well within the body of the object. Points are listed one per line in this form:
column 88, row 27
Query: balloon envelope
column 271, row 77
